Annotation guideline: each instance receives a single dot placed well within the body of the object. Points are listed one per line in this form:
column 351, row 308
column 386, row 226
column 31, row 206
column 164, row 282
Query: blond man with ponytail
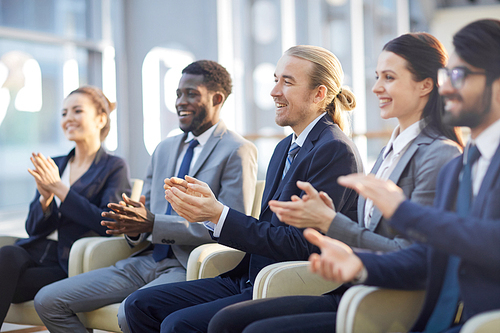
column 307, row 80
column 327, row 71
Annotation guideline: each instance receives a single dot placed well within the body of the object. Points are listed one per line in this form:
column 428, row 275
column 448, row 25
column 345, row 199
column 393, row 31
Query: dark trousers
column 184, row 306
column 283, row 314
column 26, row 269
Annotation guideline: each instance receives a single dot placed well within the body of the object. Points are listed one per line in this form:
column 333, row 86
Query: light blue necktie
column 446, row 305
column 160, row 251
column 294, row 149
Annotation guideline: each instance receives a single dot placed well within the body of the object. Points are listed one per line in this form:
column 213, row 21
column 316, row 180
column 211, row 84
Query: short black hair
column 478, row 43
column 215, row 76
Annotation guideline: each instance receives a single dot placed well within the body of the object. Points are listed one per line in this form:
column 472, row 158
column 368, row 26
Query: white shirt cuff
column 134, row 241
column 222, row 219
column 361, row 277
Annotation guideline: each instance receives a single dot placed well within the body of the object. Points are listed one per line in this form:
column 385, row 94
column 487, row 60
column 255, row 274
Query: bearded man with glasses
column 456, row 257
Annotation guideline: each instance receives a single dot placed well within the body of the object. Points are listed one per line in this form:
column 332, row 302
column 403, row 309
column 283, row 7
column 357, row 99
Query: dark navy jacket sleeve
column 86, row 200
column 328, row 156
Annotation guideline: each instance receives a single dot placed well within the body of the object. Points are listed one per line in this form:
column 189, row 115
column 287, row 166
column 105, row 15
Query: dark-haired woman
column 72, row 192
column 419, row 146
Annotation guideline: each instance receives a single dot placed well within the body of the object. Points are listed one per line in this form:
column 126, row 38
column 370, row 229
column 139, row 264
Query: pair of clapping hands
column 48, row 181
column 193, row 200
column 190, row 198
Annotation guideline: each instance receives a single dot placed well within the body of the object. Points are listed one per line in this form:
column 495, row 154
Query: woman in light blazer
column 420, row 145
column 72, row 192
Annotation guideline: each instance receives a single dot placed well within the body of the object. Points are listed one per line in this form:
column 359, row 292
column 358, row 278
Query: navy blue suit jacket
column 80, row 213
column 326, row 154
column 440, row 232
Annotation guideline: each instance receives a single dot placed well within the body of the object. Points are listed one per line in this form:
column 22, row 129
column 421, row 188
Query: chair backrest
column 136, row 189
column 257, row 200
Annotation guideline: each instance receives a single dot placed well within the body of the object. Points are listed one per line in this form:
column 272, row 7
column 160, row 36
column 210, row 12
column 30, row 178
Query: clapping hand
column 193, row 200
column 337, row 262
column 315, row 209
column 130, row 217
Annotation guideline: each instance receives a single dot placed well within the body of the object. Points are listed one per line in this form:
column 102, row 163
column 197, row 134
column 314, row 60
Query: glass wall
column 47, row 49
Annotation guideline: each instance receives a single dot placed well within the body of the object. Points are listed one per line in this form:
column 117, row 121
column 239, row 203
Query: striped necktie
column 294, row 149
column 160, row 251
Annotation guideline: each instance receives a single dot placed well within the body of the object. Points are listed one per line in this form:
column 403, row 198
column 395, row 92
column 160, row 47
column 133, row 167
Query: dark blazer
column 80, row 213
column 439, row 233
column 326, row 154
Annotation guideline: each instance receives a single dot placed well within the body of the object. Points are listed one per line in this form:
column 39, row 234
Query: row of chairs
column 362, row 308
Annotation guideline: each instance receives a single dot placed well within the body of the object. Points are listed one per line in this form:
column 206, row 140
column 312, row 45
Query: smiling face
column 400, row 96
column 80, row 121
column 467, row 106
column 194, row 105
column 294, row 99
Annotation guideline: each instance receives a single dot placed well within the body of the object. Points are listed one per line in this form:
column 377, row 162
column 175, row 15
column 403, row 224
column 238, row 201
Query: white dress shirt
column 487, row 142
column 395, row 149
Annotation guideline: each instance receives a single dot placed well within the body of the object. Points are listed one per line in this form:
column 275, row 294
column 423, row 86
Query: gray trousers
column 58, row 303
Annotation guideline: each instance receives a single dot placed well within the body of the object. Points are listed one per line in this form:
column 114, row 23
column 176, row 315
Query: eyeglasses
column 456, row 75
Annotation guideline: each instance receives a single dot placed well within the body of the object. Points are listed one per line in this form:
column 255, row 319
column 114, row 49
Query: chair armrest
column 290, row 278
column 211, row 260
column 372, row 309
column 7, row 240
column 77, row 255
column 482, row 323
column 104, row 252
column 91, row 253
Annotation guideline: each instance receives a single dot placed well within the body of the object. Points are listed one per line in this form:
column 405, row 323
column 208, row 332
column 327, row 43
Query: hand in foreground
column 197, row 203
column 386, row 195
column 314, row 210
column 130, row 217
column 337, row 262
column 180, row 184
column 46, row 174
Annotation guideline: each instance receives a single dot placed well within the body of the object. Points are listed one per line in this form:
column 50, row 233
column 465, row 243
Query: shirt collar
column 203, row 137
column 303, row 136
column 487, row 142
column 399, row 141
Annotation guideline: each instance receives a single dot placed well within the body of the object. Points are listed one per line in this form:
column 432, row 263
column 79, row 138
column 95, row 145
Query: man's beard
column 470, row 117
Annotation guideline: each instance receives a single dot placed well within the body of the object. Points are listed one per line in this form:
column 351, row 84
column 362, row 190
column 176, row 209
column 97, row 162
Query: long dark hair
column 424, row 55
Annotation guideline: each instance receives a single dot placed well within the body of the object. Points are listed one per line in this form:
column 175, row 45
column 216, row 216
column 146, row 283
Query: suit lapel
column 89, row 177
column 275, row 170
column 304, row 150
column 489, row 181
column 398, row 171
column 209, row 147
column 361, row 199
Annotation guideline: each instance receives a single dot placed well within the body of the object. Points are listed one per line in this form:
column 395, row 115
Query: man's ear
column 426, row 86
column 217, row 98
column 320, row 94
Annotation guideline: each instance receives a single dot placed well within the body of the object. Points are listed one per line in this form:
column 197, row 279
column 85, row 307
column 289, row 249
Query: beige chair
column 210, row 260
column 486, row 322
column 280, row 279
column 86, row 254
column 372, row 309
column 103, row 252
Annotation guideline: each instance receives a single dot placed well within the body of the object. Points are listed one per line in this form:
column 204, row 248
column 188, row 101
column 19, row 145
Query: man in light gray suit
column 207, row 150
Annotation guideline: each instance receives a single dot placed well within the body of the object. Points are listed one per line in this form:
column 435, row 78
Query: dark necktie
column 442, row 315
column 294, row 149
column 160, row 251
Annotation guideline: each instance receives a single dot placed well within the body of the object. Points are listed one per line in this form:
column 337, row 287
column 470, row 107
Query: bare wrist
column 218, row 212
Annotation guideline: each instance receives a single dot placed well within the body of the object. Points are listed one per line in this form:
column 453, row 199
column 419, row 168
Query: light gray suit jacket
column 227, row 163
column 416, row 173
